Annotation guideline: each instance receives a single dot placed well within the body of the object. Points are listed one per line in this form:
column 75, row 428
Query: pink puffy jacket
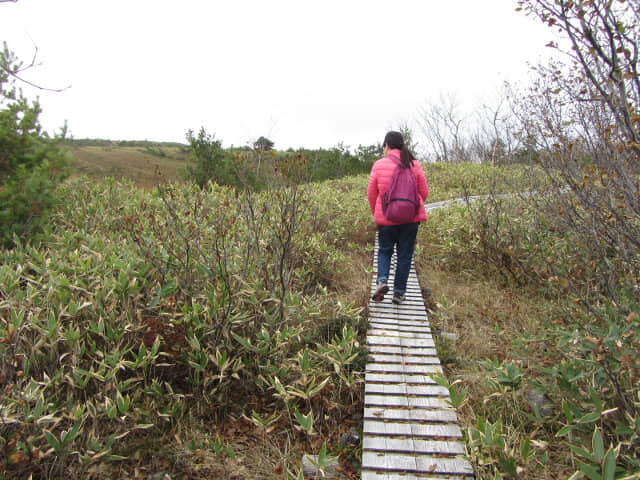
column 379, row 181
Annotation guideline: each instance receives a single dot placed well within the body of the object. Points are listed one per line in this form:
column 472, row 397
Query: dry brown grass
column 128, row 163
column 488, row 319
column 485, row 316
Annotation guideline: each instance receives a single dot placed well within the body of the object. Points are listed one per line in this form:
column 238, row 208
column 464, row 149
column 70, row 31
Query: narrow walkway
column 410, row 431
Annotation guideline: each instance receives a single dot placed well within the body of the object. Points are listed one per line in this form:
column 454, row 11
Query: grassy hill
column 143, row 163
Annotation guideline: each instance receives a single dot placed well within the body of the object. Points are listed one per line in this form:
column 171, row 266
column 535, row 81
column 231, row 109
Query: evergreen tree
column 31, row 163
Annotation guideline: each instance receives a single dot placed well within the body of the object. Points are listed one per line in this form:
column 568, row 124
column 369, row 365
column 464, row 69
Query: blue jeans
column 403, row 237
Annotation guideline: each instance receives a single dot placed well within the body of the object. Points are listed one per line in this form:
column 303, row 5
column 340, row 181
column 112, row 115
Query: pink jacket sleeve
column 372, row 188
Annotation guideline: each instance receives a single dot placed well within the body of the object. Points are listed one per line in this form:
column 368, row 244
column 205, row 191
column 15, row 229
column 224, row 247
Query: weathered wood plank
column 390, row 317
column 411, row 414
column 376, row 427
column 399, row 319
column 373, row 400
column 379, row 475
column 388, row 306
column 408, row 338
column 382, row 461
column 400, row 328
column 400, row 368
column 426, row 464
column 404, row 389
column 394, row 350
column 411, row 301
column 400, row 341
column 395, row 320
column 396, row 313
column 396, row 333
column 390, row 378
column 415, row 445
column 412, row 326
column 403, row 359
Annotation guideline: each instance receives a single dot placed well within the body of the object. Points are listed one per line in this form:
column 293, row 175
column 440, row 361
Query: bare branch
column 19, row 69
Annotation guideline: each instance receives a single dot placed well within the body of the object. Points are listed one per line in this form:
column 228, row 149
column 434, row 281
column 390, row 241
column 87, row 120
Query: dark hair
column 394, row 140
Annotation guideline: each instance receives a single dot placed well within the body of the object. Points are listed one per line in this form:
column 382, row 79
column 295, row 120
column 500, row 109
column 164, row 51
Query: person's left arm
column 372, row 189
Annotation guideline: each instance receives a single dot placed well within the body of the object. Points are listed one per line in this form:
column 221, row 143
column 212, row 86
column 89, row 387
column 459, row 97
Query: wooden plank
column 386, row 305
column 396, row 333
column 410, row 325
column 399, row 318
column 403, row 359
column 411, row 414
column 404, row 389
column 412, row 299
column 400, row 328
column 380, row 461
column 412, row 429
column 425, row 464
column 396, row 320
column 371, row 400
column 415, row 445
column 393, row 311
column 379, row 475
column 394, row 350
column 397, row 313
column 405, row 320
column 399, row 341
column 399, row 368
column 398, row 378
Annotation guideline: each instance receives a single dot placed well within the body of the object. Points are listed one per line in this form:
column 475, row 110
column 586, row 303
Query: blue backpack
column 400, row 203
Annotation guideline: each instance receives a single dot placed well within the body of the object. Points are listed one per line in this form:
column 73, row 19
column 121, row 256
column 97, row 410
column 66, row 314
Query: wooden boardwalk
column 410, row 431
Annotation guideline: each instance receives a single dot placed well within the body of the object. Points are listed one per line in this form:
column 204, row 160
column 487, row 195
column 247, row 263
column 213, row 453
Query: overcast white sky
column 302, row 73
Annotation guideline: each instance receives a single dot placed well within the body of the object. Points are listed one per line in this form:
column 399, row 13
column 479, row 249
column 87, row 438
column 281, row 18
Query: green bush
column 209, row 161
column 31, row 163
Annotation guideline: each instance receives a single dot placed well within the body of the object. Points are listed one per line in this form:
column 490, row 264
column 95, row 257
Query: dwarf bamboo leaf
column 583, row 453
column 609, row 463
column 589, row 470
column 597, row 444
column 314, row 390
column 305, row 421
column 53, row 441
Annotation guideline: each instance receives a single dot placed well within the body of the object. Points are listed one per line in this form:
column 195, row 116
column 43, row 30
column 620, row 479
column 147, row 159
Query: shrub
column 109, row 347
column 209, row 161
column 31, row 163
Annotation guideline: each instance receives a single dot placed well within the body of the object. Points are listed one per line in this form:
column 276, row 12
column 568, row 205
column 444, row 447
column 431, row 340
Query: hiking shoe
column 398, row 298
column 381, row 289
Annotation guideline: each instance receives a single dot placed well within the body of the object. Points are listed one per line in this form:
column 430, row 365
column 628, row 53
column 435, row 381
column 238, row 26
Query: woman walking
column 391, row 234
